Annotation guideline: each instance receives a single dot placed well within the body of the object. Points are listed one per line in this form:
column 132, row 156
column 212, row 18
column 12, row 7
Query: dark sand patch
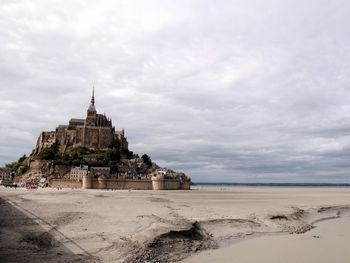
column 24, row 240
column 174, row 245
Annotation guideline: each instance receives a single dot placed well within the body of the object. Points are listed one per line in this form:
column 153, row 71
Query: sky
column 226, row 91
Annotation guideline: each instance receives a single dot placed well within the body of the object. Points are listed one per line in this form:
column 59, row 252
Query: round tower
column 158, row 182
column 87, row 181
column 102, row 182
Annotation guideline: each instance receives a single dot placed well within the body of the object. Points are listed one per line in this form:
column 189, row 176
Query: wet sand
column 153, row 226
column 328, row 242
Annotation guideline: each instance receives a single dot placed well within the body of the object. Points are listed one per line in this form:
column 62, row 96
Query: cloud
column 226, row 91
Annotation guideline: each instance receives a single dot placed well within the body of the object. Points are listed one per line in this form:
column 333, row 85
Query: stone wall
column 65, row 183
column 171, row 184
column 105, row 137
column 61, row 170
column 186, row 185
column 129, row 184
column 80, row 135
column 122, row 184
column 91, row 137
column 166, row 184
column 61, row 137
column 70, row 136
column 159, row 183
column 45, row 140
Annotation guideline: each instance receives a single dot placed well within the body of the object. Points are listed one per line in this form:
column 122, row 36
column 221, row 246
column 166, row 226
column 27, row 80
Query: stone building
column 95, row 131
column 98, row 171
column 5, row 175
column 77, row 173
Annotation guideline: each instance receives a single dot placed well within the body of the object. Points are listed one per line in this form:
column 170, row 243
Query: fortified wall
column 155, row 183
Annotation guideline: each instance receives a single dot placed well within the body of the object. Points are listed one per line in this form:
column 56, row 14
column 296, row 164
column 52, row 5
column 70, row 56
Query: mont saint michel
column 170, row 131
column 91, row 153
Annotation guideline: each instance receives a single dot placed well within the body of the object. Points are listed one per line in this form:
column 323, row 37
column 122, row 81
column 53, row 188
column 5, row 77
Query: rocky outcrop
column 39, row 169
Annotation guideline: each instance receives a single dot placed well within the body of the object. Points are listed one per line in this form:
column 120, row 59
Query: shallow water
column 328, row 242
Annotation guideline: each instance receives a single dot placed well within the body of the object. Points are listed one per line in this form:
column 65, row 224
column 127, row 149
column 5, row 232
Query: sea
column 326, row 185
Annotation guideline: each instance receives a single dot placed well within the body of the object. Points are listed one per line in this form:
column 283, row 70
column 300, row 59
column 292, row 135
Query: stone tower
column 91, row 112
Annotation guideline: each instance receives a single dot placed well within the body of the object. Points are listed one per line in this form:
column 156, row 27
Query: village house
column 5, row 175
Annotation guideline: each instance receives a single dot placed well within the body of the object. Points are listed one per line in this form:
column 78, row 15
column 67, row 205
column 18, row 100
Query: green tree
column 112, row 154
column 22, row 169
column 17, row 168
column 147, row 160
column 13, row 166
column 78, row 162
column 20, row 160
column 115, row 144
column 129, row 154
column 49, row 153
column 114, row 167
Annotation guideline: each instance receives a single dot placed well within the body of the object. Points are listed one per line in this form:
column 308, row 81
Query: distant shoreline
column 272, row 184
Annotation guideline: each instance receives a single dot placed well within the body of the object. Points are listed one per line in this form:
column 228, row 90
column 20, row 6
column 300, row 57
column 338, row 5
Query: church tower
column 91, row 117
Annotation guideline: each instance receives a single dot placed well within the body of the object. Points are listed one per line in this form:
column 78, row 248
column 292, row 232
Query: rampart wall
column 65, row 183
column 143, row 184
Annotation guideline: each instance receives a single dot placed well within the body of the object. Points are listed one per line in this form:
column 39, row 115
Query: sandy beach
column 50, row 225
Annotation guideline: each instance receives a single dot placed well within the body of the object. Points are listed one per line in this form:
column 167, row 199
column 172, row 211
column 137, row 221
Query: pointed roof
column 93, row 96
column 92, row 105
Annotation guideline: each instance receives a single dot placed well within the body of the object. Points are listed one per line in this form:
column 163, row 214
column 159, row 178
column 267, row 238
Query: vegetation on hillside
column 50, row 153
column 19, row 167
column 76, row 156
column 147, row 160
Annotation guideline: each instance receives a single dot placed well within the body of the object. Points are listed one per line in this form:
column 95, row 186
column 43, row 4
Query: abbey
column 90, row 154
column 95, row 131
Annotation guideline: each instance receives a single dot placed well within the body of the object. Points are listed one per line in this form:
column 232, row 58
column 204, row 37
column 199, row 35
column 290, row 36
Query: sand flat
column 164, row 226
column 328, row 242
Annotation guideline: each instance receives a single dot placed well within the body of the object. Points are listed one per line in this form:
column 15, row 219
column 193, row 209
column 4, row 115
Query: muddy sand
column 327, row 242
column 49, row 225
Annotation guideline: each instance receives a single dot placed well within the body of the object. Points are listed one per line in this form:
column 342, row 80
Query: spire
column 93, row 95
column 91, row 109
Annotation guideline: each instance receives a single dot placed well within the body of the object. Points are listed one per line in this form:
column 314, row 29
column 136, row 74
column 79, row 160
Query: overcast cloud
column 242, row 91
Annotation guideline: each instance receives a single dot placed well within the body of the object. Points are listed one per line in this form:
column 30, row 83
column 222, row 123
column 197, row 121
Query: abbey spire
column 93, row 96
column 91, row 112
